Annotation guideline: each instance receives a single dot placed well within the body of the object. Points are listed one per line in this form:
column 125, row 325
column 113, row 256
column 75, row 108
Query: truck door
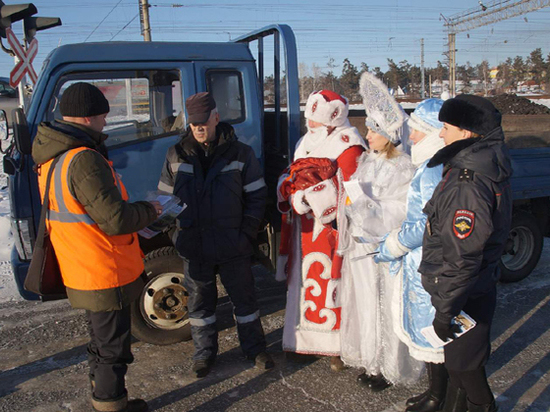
column 146, row 117
column 235, row 90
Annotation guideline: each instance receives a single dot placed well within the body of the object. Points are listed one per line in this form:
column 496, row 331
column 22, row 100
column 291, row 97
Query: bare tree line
column 531, row 74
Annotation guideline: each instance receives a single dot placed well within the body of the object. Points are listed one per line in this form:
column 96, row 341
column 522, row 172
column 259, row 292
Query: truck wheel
column 523, row 248
column 160, row 315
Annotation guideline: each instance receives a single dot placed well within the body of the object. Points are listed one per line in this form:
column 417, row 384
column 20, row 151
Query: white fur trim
column 394, row 245
column 323, row 200
column 324, row 107
column 298, row 202
column 418, row 124
column 341, row 139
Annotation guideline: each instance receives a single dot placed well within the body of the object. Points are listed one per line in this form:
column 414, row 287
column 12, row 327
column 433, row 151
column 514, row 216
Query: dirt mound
column 513, row 104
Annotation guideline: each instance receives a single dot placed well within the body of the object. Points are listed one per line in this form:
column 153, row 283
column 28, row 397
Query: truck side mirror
column 21, row 134
column 3, row 125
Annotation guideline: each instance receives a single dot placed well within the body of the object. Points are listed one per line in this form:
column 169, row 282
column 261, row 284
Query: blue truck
column 146, row 84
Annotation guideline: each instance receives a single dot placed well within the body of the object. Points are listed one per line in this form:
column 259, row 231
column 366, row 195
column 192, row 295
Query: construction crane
column 486, row 13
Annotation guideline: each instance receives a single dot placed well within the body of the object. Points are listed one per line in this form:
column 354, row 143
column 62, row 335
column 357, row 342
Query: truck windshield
column 145, row 104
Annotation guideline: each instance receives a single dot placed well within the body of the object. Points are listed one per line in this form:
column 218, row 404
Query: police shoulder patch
column 463, row 223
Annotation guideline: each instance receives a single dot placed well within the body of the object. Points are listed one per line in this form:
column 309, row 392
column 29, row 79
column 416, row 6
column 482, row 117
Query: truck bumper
column 20, row 269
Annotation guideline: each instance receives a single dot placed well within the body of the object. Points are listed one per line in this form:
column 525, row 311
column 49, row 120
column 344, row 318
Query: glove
column 383, row 255
column 445, row 331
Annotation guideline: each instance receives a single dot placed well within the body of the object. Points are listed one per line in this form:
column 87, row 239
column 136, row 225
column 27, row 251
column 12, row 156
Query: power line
column 105, row 18
column 127, row 24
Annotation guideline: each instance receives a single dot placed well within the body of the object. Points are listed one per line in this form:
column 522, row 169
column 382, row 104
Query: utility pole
column 452, row 64
column 144, row 19
column 486, row 13
column 423, row 85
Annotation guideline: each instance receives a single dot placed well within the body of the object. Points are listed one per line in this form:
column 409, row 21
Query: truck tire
column 160, row 315
column 523, row 248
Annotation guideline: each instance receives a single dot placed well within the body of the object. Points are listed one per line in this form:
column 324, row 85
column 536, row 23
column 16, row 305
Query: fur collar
column 448, row 152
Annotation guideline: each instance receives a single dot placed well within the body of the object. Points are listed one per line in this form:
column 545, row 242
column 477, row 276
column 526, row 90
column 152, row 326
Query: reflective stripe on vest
column 89, row 259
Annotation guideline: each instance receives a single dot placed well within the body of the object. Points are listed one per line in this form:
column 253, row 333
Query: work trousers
column 109, row 352
column 237, row 278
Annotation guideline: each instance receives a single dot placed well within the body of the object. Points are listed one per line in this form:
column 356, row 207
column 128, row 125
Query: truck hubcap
column 164, row 302
column 519, row 248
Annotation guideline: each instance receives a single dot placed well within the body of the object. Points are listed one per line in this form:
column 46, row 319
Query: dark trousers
column 466, row 357
column 109, row 352
column 237, row 278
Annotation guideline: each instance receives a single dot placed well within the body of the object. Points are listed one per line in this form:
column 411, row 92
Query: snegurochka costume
column 402, row 247
column 367, row 333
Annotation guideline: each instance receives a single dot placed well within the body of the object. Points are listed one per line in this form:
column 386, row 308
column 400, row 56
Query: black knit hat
column 83, row 100
column 469, row 112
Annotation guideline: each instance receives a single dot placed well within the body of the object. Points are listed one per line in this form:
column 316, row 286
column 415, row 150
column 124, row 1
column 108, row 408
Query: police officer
column 469, row 218
column 92, row 228
column 220, row 180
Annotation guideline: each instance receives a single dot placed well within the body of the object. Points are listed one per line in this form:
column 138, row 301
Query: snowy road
column 42, row 347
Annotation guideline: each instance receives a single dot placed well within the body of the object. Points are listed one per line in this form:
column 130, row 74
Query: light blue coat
column 414, row 307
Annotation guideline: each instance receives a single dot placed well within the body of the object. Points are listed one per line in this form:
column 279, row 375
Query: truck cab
column 146, row 84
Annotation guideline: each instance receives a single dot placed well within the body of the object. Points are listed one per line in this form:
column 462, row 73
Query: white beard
column 314, row 138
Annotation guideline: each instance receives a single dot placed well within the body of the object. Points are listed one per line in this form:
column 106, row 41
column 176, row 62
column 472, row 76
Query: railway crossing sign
column 25, row 59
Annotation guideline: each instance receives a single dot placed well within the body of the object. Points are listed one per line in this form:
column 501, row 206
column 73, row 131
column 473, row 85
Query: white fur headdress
column 327, row 107
column 384, row 115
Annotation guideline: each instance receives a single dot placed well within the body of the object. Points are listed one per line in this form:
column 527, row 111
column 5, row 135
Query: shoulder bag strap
column 45, row 204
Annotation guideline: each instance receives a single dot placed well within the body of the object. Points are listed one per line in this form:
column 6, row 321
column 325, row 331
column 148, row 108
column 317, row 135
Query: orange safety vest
column 89, row 259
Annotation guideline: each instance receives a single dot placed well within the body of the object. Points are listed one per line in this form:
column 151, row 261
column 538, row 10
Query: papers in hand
column 170, row 210
column 463, row 320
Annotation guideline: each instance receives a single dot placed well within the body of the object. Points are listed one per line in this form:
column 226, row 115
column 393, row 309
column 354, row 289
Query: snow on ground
column 545, row 102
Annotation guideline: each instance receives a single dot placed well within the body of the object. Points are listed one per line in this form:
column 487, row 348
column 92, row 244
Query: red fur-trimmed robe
column 307, row 257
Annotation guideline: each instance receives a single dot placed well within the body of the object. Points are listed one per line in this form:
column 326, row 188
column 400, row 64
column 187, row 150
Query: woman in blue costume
column 403, row 248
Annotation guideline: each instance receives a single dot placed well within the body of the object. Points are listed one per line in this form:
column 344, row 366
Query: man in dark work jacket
column 221, row 182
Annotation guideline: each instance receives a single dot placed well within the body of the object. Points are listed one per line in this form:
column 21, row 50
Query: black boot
column 418, row 398
column 455, row 400
column 489, row 407
column 434, row 397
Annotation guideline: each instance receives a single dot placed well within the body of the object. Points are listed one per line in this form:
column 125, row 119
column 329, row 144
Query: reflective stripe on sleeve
column 182, row 167
column 248, row 318
column 202, row 322
column 257, row 184
column 234, row 165
column 165, row 187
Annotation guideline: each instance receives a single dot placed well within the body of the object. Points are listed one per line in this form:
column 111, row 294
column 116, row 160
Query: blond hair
column 390, row 150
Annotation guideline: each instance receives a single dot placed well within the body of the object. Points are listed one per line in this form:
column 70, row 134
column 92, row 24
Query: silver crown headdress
column 384, row 115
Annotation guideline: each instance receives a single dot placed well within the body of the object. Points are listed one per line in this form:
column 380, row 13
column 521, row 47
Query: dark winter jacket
column 225, row 205
column 469, row 217
column 91, row 183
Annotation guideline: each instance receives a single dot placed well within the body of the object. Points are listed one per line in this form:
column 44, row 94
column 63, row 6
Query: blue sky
column 364, row 31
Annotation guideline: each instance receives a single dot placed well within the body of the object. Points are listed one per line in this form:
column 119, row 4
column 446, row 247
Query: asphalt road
column 43, row 368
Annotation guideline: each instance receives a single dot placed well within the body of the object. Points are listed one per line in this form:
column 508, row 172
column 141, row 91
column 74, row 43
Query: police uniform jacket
column 225, row 194
column 469, row 218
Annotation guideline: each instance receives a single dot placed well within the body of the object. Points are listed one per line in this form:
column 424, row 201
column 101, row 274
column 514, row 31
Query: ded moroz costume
column 308, row 197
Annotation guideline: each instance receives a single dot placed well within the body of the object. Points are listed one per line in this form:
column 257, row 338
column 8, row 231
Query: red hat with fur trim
column 327, row 107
